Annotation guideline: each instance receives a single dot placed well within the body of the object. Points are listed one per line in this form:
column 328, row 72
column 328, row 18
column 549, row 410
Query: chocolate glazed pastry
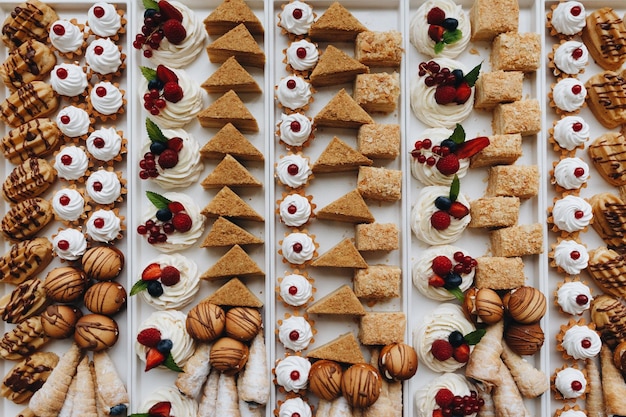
column 25, row 260
column 606, row 97
column 65, row 284
column 609, row 212
column 32, row 61
column 23, row 340
column 28, row 376
column 605, row 37
column 96, row 332
column 609, row 316
column 37, row 138
column 27, row 299
column 59, row 321
column 103, row 263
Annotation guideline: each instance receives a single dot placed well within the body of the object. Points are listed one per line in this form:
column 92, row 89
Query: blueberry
column 452, row 280
column 443, row 203
column 149, row 13
column 456, row 338
column 155, row 288
column 450, row 24
column 118, row 410
column 164, row 346
column 458, row 76
column 449, row 143
column 164, row 214
column 155, row 84
column 157, row 148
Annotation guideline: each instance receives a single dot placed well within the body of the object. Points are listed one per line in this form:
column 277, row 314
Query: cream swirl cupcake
column 104, row 57
column 69, row 244
column 570, row 133
column 437, row 326
column 71, row 163
column 105, row 144
column 569, row 383
column 301, row 56
column 104, row 187
column 298, row 248
column 295, row 290
column 180, row 294
column 570, row 174
column 578, row 341
column 292, row 373
column 293, row 170
column 171, row 324
column 294, row 210
column 67, row 37
column 68, row 205
column 570, row 58
column 569, row 411
column 425, row 106
column 295, row 333
column 107, row 100
column 104, row 226
column 295, row 129
column 422, row 213
column 425, row 402
column 73, row 122
column 571, row 214
column 294, row 407
column 573, row 297
column 293, row 93
column 430, row 174
column 568, row 95
column 296, row 18
column 570, row 256
column 181, row 405
column 567, row 18
column 423, row 271
column 418, row 30
column 69, row 80
column 104, row 20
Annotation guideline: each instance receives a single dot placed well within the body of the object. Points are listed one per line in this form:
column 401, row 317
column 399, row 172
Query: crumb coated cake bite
column 168, row 282
column 171, row 157
column 442, row 270
column 168, row 401
column 440, row 28
column 295, row 333
column 173, row 222
column 296, row 18
column 429, row 399
column 170, row 96
column 162, row 339
column 442, row 92
column 573, row 297
column 295, row 289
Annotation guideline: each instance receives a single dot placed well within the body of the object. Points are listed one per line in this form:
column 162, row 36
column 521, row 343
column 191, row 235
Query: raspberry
column 440, row 220
column 168, row 159
column 441, row 265
column 170, row 275
column 448, row 165
column 174, row 31
column 435, row 16
column 444, row 397
column 172, row 92
column 441, row 349
column 149, row 337
column 445, row 94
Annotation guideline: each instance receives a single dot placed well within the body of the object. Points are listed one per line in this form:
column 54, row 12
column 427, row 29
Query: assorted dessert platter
column 313, row 208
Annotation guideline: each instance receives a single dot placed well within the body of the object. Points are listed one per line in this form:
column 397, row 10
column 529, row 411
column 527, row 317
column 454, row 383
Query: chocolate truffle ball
column 65, row 284
column 243, row 323
column 205, row 322
column 361, row 385
column 59, row 321
column 105, row 298
column 96, row 332
column 524, row 339
column 525, row 305
column 325, row 379
column 397, row 361
column 103, row 263
column 228, row 355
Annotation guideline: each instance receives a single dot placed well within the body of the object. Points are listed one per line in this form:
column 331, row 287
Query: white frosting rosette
column 294, row 406
column 66, row 37
column 171, row 324
column 103, row 226
column 568, row 18
column 295, row 333
column 68, row 80
column 104, row 187
column 184, row 53
column 571, row 214
column 571, row 256
column 104, row 23
column 296, row 18
column 180, row 294
column 571, row 173
column 68, row 204
column 71, row 163
column 175, row 115
column 568, row 297
column 426, row 109
column 571, row 132
column 581, row 342
column 571, row 57
column 294, row 210
column 430, row 175
column 424, row 208
column 295, row 290
column 73, row 121
column 103, row 56
column 69, row 244
column 418, row 30
column 423, row 271
column 298, row 248
column 293, row 170
column 293, row 92
column 104, row 144
column 573, row 413
column 106, row 98
column 182, row 406
column 425, row 396
column 563, row 380
column 438, row 325
column 292, row 373
column 189, row 166
column 295, row 129
column 569, row 95
column 302, row 55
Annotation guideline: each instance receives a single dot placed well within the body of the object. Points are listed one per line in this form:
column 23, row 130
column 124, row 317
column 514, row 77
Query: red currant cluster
column 165, row 154
column 455, row 405
column 440, row 155
column 162, row 87
column 451, row 84
column 168, row 220
column 448, row 275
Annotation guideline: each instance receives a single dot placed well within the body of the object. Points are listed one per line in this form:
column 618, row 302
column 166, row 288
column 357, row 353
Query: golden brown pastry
column 609, row 213
column 524, row 339
column 37, row 138
column 605, row 37
column 195, row 371
column 609, row 316
column 607, row 154
column 31, row 61
column 253, row 385
column 397, row 361
column 65, row 284
column 205, row 322
column 29, row 20
column 484, row 363
column 26, row 300
column 607, row 268
column 23, row 340
column 26, row 377
column 228, row 355
column 361, row 385
column 595, row 397
column 613, row 385
column 605, row 98
column 111, row 393
column 525, row 305
column 532, row 382
column 243, row 323
column 24, row 260
column 59, row 321
column 29, row 179
column 105, row 298
column 325, row 379
column 26, row 218
column 30, row 101
column 484, row 304
column 103, row 263
column 96, row 332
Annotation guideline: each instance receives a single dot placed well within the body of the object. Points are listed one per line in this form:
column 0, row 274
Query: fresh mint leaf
column 455, row 187
column 171, row 364
column 151, row 4
column 154, row 132
column 139, row 286
column 474, row 337
column 140, row 415
column 458, row 294
column 471, row 77
column 439, row 47
column 148, row 73
column 158, row 200
column 452, row 37
column 458, row 136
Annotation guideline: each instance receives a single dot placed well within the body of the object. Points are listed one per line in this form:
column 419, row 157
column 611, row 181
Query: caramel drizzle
column 23, row 301
column 25, row 19
column 36, row 138
column 614, row 330
column 614, row 160
column 612, row 37
column 66, row 286
column 24, row 339
column 24, row 56
column 23, row 182
column 612, row 92
column 23, row 219
column 21, row 259
column 95, row 333
column 28, row 100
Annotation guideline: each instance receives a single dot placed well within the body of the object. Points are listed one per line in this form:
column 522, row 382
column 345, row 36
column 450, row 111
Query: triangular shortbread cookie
column 343, row 255
column 336, row 67
column 344, row 349
column 230, row 14
column 339, row 156
column 227, row 233
column 337, row 24
column 229, row 109
column 231, row 76
column 237, row 42
column 230, row 173
column 234, row 263
column 230, row 141
column 342, row 111
column 234, row 293
column 349, row 208
column 340, row 301
column 228, row 204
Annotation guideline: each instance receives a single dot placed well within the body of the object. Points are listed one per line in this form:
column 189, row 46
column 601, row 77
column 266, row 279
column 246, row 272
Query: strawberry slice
column 151, row 272
column 165, row 74
column 160, row 409
column 458, row 210
column 436, row 281
column 169, row 12
column 472, row 147
column 154, row 358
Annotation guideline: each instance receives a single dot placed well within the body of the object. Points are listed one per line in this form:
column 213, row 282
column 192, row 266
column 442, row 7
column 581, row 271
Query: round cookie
column 228, row 355
column 243, row 323
column 59, row 321
column 105, row 298
column 361, row 385
column 205, row 322
column 65, row 284
column 325, row 379
column 96, row 332
column 103, row 263
column 397, row 361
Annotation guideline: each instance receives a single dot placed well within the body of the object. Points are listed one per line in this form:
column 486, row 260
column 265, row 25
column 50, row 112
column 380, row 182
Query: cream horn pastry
column 47, row 402
column 340, row 408
column 255, row 386
column 110, row 390
column 227, row 403
column 613, row 385
column 85, row 399
column 195, row 372
column 506, row 396
column 323, row 408
column 594, row 402
column 488, row 409
column 68, row 404
column 247, row 409
column 483, row 364
column 206, row 408
column 530, row 381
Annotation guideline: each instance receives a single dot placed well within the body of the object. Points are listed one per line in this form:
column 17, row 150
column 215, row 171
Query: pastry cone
column 110, row 390
column 489, row 408
column 206, row 408
column 85, row 400
column 613, row 385
column 245, row 408
column 340, row 408
column 27, row 412
column 68, row 404
column 49, row 399
column 195, row 372
column 323, row 408
column 227, row 403
column 395, row 397
column 255, row 385
column 530, row 381
column 484, row 363
column 595, row 397
column 506, row 396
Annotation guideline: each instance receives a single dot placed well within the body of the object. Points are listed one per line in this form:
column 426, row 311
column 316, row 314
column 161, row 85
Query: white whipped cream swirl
column 298, row 179
column 104, row 187
column 78, row 123
column 423, row 271
column 418, row 30
column 566, row 135
column 70, row 41
column 76, row 242
column 292, row 373
column 302, row 293
column 425, row 396
column 111, row 147
column 73, row 208
column 423, row 210
column 311, row 55
column 298, row 328
column 566, row 99
column 296, row 97
column 178, row 295
column 110, row 102
column 291, row 24
column 573, row 342
column 564, row 22
column 106, row 25
column 565, row 212
column 564, row 173
column 564, row 57
column 301, row 208
column 563, row 256
column 181, row 405
column 430, row 175
column 306, row 248
column 564, row 379
column 294, row 406
column 567, row 295
column 171, row 324
column 295, row 137
column 71, row 168
column 74, row 83
column 109, row 231
column 106, row 62
column 573, row 413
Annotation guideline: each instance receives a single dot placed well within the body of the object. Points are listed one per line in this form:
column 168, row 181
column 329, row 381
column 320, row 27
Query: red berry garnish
column 458, row 256
column 292, row 209
column 444, row 397
column 449, row 164
column 301, row 53
column 431, row 161
column 291, row 84
column 582, row 299
column 98, row 11
column 182, row 222
column 576, row 89
column 585, row 343
column 63, row 244
column 297, row 247
column 426, row 143
column 293, row 169
column 295, row 126
column 98, row 143
column 59, row 30
column 62, row 73
column 297, row 13
column 101, row 91
column 149, row 337
column 440, row 220
column 445, row 94
column 65, row 119
column 293, row 290
column 577, row 53
column 294, row 335
column 579, row 172
column 170, row 275
column 577, row 385
column 99, row 223
column 575, row 11
column 435, row 16
column 97, row 186
column 441, row 349
column 294, row 375
column 441, row 265
column 574, row 254
column 577, row 127
column 176, row 207
column 64, row 200
column 66, row 160
column 98, row 50
column 579, row 214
